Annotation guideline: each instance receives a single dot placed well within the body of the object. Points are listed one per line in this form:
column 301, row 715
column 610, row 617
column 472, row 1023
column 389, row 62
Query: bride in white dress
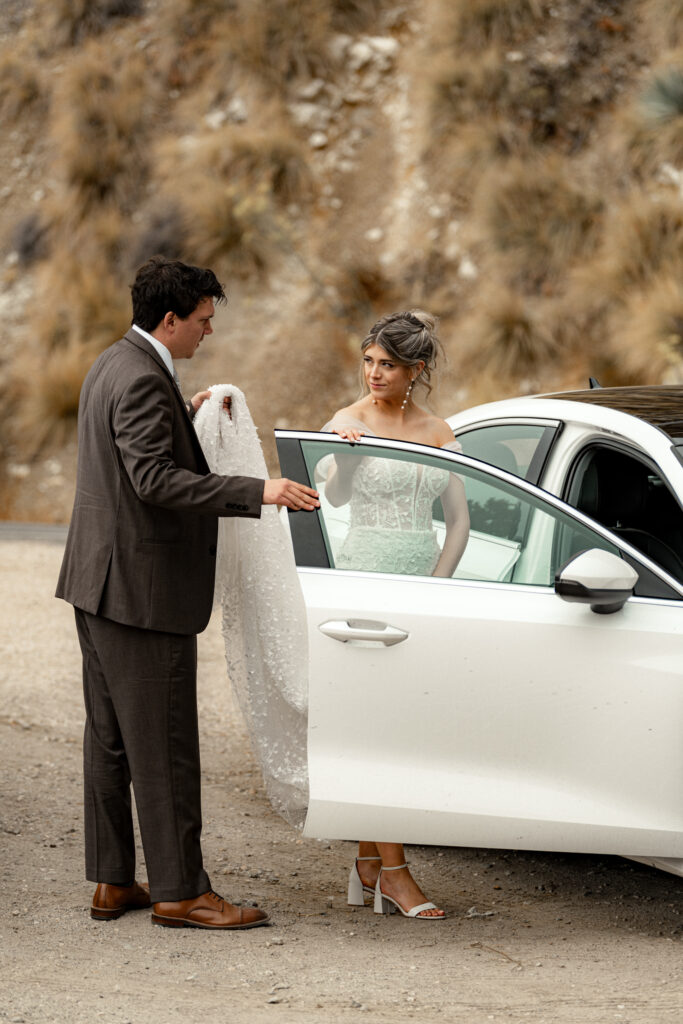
column 391, row 529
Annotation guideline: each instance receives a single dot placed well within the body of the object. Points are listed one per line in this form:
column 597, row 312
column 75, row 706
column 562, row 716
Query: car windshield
column 660, row 405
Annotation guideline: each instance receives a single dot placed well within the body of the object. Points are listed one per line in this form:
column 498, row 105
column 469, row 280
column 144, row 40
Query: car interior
column 630, row 499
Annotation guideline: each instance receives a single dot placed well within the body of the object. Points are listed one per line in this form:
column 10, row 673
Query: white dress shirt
column 162, row 350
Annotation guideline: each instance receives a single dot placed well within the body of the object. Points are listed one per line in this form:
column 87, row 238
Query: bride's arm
column 457, row 520
column 339, row 482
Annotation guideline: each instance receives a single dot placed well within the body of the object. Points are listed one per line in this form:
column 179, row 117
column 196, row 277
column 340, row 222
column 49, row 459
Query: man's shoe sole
column 182, row 922
column 106, row 915
column 111, row 914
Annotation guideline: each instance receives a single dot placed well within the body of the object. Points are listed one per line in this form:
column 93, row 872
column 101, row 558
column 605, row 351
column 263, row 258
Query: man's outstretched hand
column 291, row 494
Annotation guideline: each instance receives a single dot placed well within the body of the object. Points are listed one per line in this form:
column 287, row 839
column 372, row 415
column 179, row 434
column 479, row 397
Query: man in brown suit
column 139, row 569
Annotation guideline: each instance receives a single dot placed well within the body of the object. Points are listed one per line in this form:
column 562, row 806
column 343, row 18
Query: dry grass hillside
column 515, row 166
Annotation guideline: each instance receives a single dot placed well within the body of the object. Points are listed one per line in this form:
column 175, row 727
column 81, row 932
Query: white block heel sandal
column 357, row 890
column 387, row 904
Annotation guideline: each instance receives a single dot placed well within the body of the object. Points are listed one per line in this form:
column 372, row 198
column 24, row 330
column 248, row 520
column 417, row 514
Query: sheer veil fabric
column 263, row 611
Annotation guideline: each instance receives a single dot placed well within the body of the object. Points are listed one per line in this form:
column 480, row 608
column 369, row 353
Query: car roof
column 658, row 404
column 632, row 411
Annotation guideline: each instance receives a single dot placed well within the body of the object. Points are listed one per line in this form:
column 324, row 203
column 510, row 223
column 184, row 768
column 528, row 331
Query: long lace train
column 263, row 612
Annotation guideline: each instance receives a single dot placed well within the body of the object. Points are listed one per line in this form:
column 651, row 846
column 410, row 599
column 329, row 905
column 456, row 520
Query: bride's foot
column 363, row 879
column 400, row 886
column 368, row 871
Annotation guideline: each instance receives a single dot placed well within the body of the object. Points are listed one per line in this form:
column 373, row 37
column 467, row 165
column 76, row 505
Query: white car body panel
column 582, row 424
column 587, row 701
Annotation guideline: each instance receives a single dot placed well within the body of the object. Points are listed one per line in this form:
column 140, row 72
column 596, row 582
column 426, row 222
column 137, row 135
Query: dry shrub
column 354, row 15
column 464, row 86
column 84, row 300
column 30, row 239
column 162, row 231
column 84, row 307
column 232, row 187
column 664, row 18
column 365, row 292
column 662, row 100
column 99, row 126
column 459, row 162
column 537, row 218
column 477, row 23
column 581, row 325
column 282, row 40
column 643, row 236
column 651, row 129
column 201, row 40
column 193, row 18
column 649, row 339
column 262, row 158
column 506, row 338
column 229, row 225
column 48, row 389
column 70, row 21
column 20, row 84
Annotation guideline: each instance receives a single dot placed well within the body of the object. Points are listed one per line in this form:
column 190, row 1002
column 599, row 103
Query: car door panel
column 496, row 740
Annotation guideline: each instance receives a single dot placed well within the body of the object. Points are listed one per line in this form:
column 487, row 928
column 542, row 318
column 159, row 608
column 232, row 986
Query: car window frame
column 310, row 541
column 546, row 442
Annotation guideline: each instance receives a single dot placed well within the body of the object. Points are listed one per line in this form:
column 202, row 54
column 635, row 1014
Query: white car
column 533, row 700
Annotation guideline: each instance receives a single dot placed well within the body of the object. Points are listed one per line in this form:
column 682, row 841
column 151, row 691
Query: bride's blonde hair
column 408, row 338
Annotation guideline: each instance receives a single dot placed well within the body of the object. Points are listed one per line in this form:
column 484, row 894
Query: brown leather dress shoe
column 207, row 911
column 110, row 901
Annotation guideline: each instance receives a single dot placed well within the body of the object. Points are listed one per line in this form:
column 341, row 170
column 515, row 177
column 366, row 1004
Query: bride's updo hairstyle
column 408, row 338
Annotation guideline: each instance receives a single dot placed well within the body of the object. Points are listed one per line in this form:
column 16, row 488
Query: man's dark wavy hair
column 164, row 286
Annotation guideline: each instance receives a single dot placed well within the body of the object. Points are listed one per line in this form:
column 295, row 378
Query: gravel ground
column 551, row 938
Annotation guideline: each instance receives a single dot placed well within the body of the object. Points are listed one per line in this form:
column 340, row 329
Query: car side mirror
column 598, row 578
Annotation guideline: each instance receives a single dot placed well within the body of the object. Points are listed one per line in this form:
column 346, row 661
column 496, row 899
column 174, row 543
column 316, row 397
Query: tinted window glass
column 396, row 512
column 509, row 446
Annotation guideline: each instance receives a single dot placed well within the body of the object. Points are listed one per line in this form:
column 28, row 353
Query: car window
column 632, row 500
column 519, row 448
column 398, row 512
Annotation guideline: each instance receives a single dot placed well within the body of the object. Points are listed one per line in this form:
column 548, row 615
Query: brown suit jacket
column 141, row 548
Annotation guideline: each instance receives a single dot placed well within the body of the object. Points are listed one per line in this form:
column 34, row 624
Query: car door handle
column 363, row 629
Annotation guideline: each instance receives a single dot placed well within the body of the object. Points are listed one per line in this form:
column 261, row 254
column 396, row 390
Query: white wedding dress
column 264, row 616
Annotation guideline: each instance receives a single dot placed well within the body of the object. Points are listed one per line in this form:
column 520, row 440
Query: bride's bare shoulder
column 354, row 412
column 441, row 432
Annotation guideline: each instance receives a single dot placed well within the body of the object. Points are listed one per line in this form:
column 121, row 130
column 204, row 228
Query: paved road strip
column 50, row 532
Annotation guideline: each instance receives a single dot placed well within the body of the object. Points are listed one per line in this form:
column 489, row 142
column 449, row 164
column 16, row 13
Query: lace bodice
column 395, row 495
column 390, row 513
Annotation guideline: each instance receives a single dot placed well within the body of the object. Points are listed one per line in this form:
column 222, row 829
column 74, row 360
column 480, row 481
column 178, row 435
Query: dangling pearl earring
column 408, row 393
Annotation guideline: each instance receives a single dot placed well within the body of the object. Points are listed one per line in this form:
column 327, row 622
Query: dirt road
column 529, row 937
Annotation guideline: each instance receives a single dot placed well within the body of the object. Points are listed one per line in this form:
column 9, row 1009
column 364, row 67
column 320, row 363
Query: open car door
column 483, row 709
